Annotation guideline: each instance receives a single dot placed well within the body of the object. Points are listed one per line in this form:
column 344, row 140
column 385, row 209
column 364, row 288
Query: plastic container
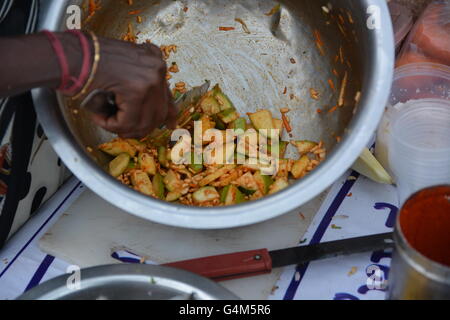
column 411, row 82
column 402, row 21
column 429, row 40
column 419, row 147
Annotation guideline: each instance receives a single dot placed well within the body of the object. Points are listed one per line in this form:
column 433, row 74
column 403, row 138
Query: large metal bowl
column 253, row 70
column 129, row 282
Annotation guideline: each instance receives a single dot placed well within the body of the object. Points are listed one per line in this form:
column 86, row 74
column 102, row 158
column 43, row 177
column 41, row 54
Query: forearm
column 29, row 62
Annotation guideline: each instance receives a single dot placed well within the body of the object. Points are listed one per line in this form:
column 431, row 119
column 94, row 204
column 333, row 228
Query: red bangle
column 85, row 68
column 59, row 51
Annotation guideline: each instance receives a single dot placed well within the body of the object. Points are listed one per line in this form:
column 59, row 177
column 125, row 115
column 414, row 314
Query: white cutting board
column 86, row 234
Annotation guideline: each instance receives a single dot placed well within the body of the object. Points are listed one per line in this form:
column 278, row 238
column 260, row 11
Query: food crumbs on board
column 292, row 96
column 274, row 288
column 303, row 241
column 333, row 226
column 302, row 216
column 273, row 10
column 338, row 139
column 319, row 111
column 89, row 149
column 226, row 28
column 335, row 73
column 293, row 61
column 350, row 194
column 341, row 216
column 185, row 9
column 331, row 83
column 351, row 178
column 130, row 2
column 285, row 110
column 244, row 25
column 352, row 271
column 139, row 19
column 285, row 90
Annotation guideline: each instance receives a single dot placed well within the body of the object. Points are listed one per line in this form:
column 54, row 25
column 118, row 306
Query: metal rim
column 5, row 9
column 253, row 212
column 175, row 279
column 416, row 259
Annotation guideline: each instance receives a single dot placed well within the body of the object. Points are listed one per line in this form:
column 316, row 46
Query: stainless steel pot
column 129, row 282
column 280, row 52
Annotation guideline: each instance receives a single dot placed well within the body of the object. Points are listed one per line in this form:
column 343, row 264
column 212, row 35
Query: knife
column 104, row 102
column 257, row 262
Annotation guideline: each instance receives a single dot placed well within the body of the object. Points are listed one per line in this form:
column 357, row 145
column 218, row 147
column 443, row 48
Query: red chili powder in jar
column 425, row 223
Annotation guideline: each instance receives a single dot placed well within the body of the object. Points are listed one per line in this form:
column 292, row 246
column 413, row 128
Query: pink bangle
column 85, row 68
column 59, row 51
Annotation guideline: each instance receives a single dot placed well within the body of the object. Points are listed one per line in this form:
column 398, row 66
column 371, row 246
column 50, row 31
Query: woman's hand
column 136, row 75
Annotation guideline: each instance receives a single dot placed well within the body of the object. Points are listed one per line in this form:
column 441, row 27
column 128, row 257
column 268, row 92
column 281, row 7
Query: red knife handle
column 228, row 266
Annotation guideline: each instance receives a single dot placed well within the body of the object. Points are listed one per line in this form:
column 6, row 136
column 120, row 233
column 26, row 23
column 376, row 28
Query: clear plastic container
column 411, row 82
column 429, row 40
column 402, row 21
column 419, row 147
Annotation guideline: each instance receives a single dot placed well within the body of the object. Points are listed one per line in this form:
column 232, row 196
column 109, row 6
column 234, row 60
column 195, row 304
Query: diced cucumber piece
column 304, row 146
column 224, row 193
column 279, row 185
column 141, row 182
column 173, row 196
column 209, row 105
column 177, row 95
column 140, row 146
column 158, row 186
column 278, row 124
column 197, row 168
column 119, row 164
column 224, row 102
column 228, row 116
column 231, row 195
column 162, row 156
column 261, row 120
column 282, row 147
column 206, row 194
column 172, row 181
column 118, row 146
column 240, row 124
column 220, row 125
column 147, row 163
column 248, row 182
column 207, row 124
column 246, row 191
column 264, row 182
column 284, row 166
column 298, row 169
column 196, row 116
column 369, row 166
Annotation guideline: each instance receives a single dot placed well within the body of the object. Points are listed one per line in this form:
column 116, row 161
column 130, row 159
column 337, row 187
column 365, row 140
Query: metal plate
column 130, row 282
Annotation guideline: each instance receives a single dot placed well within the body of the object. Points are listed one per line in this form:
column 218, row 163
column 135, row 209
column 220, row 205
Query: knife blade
column 257, row 262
